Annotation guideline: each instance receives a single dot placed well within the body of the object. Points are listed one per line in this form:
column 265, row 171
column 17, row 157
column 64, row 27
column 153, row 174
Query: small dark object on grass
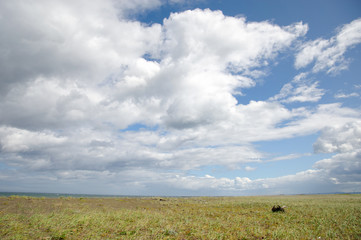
column 278, row 208
column 161, row 199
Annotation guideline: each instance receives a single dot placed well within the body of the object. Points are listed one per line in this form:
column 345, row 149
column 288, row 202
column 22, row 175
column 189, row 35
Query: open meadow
column 305, row 217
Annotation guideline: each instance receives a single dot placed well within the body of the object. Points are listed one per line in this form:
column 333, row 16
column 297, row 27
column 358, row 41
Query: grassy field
column 306, row 217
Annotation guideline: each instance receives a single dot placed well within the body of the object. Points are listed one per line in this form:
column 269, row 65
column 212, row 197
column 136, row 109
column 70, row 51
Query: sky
column 180, row 97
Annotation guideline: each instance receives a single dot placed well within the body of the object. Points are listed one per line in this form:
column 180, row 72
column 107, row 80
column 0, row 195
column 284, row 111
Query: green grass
column 306, row 217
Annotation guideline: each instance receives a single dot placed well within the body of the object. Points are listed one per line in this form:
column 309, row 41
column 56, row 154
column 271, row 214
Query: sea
column 59, row 195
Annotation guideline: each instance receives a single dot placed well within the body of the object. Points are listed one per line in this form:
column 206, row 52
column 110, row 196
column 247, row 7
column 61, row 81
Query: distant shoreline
column 79, row 195
column 57, row 195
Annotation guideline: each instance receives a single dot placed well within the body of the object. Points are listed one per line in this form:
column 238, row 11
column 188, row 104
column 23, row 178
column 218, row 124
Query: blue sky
column 180, row 97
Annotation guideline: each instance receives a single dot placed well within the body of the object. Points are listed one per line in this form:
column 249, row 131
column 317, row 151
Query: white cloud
column 315, row 120
column 310, row 181
column 345, row 140
column 341, row 138
column 91, row 71
column 72, row 41
column 190, row 84
column 262, row 121
column 343, row 95
column 310, row 51
column 343, row 167
column 300, row 89
column 329, row 54
column 19, row 140
column 242, row 44
column 288, row 157
column 248, row 168
column 76, row 76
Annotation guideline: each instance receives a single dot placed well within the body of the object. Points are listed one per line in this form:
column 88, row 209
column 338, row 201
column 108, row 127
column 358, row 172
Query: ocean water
column 58, row 195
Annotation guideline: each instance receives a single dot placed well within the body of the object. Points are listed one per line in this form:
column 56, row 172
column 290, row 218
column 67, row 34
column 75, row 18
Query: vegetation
column 305, row 217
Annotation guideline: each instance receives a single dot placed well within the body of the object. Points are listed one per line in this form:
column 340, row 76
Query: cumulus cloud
column 310, row 181
column 72, row 41
column 191, row 82
column 328, row 54
column 19, row 140
column 345, row 140
column 342, row 138
column 77, row 78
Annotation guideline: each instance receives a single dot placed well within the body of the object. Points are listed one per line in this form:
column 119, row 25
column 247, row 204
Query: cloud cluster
column 345, row 166
column 300, row 89
column 328, row 54
column 88, row 96
column 67, row 40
